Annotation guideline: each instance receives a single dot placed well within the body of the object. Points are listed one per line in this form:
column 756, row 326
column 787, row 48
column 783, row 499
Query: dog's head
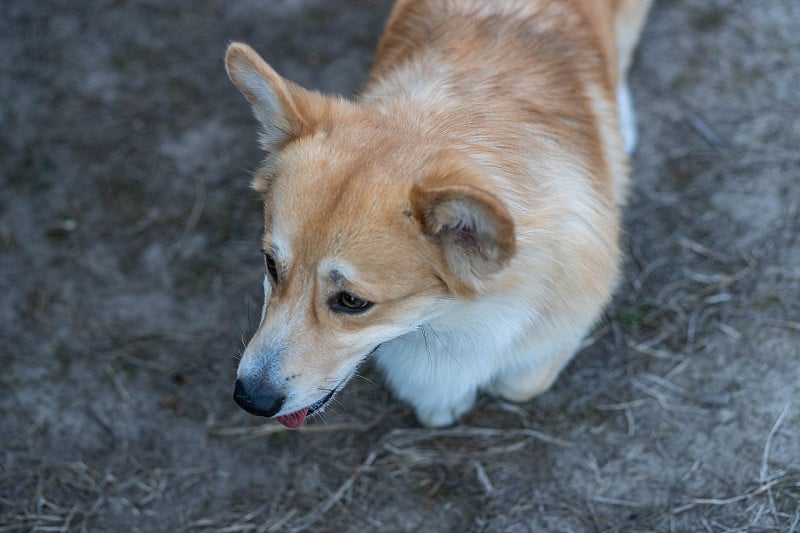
column 371, row 227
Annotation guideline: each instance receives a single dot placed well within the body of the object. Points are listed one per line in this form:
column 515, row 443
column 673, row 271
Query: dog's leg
column 628, row 24
column 440, row 382
column 439, row 397
column 442, row 411
column 520, row 384
column 627, row 117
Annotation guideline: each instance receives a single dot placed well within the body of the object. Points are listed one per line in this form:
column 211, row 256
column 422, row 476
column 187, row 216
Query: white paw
column 627, row 118
column 438, row 416
column 517, row 392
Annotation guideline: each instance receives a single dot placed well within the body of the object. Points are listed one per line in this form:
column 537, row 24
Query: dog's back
column 513, row 65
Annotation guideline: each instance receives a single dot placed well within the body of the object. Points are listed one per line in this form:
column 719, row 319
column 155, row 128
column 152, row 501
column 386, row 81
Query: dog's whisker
column 364, row 378
column 446, row 348
column 321, row 416
column 237, row 357
column 335, row 401
column 425, row 339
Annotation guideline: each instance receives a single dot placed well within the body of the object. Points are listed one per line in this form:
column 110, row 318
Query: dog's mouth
column 296, row 419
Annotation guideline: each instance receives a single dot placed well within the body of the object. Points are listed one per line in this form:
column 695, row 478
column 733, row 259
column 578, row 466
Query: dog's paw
column 439, row 417
column 515, row 391
column 522, row 385
column 627, row 118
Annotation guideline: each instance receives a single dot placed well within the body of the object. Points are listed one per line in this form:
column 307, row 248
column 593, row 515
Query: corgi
column 458, row 222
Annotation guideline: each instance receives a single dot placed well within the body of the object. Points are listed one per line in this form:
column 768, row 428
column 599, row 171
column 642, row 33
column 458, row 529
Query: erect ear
column 285, row 110
column 472, row 228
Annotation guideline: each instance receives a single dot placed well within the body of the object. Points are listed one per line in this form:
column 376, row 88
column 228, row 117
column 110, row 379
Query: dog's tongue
column 294, row 420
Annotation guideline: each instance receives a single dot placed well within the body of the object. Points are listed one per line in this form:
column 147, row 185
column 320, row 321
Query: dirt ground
column 130, row 277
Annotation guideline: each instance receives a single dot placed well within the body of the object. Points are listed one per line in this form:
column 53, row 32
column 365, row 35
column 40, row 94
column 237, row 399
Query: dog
column 458, row 222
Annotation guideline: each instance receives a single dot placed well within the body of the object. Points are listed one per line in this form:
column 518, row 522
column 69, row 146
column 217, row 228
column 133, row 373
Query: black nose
column 257, row 399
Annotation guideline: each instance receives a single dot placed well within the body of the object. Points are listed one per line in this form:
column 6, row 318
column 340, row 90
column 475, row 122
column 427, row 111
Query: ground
column 130, row 277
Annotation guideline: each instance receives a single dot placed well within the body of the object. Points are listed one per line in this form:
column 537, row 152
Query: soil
column 130, row 278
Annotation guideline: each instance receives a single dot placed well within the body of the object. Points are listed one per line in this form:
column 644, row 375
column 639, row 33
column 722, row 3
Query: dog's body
column 460, row 220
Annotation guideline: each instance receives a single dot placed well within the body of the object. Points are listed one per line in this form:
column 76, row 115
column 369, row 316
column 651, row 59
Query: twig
column 483, row 478
column 701, row 250
column 631, row 420
column 279, row 523
column 615, row 501
column 781, row 323
column 115, row 379
column 729, row 331
column 237, row 528
column 796, row 520
column 765, row 460
column 69, row 518
column 15, row 526
column 624, row 406
column 725, row 501
column 659, row 353
column 270, row 429
column 320, row 511
column 594, row 337
column 194, row 216
column 768, row 446
column 664, row 383
column 470, row 432
column 705, row 131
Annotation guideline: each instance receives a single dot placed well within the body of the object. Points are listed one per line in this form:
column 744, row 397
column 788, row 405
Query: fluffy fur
column 471, row 195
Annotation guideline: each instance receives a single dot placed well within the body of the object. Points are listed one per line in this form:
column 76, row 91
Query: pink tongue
column 294, row 420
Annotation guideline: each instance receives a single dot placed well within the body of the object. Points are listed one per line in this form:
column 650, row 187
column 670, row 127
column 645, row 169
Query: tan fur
column 482, row 169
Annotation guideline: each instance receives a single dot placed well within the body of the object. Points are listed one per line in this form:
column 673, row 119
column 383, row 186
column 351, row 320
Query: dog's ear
column 284, row 109
column 471, row 227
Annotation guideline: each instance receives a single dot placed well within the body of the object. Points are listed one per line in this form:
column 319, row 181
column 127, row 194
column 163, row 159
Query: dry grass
column 130, row 264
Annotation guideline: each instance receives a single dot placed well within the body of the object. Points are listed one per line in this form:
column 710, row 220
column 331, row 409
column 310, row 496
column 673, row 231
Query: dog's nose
column 257, row 399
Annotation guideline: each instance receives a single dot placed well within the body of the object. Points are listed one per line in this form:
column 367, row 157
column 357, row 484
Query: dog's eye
column 347, row 303
column 269, row 262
